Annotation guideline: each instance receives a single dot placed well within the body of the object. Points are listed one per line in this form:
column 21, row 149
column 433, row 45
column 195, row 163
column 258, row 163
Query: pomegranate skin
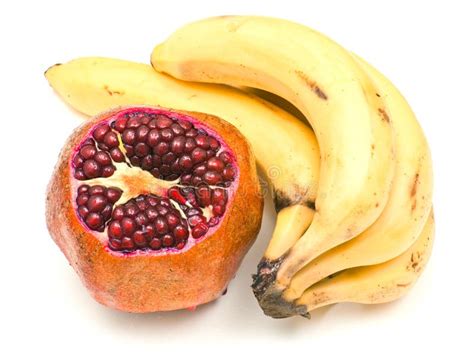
column 158, row 282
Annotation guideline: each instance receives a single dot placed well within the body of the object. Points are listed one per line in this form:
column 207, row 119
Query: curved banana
column 374, row 284
column 286, row 150
column 406, row 211
column 339, row 100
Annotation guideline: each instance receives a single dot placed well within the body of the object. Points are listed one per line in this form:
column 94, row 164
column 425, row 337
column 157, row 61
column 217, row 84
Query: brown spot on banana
column 113, row 92
column 312, row 84
column 414, row 190
column 384, row 115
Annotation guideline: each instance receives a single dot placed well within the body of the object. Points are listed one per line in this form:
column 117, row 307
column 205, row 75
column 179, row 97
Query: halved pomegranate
column 155, row 208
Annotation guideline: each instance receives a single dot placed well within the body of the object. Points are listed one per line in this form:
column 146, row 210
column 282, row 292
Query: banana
column 286, row 150
column 339, row 100
column 406, row 211
column 374, row 284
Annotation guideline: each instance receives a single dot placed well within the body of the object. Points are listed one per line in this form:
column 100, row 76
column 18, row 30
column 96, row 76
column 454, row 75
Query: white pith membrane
column 185, row 198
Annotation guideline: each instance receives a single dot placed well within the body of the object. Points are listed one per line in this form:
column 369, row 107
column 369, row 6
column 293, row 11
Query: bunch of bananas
column 353, row 193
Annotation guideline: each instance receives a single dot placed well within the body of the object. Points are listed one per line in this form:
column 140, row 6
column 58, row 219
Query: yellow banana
column 374, row 284
column 406, row 211
column 286, row 150
column 339, row 100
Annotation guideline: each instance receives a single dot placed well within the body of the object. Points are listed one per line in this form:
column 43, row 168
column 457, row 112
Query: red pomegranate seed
column 163, row 122
column 103, row 158
column 200, row 170
column 215, row 164
column 139, row 238
column 218, row 210
column 213, row 221
column 151, row 213
column 180, row 245
column 82, row 199
column 111, row 140
column 212, row 177
column 213, row 143
column 185, row 162
column 177, row 129
column 91, row 169
column 189, row 145
column 198, row 155
column 141, row 219
column 202, row 141
column 160, row 225
column 108, row 171
column 152, row 200
column 147, row 162
column 172, row 220
column 78, row 161
column 131, row 210
column 204, row 196
column 153, row 138
column 166, row 135
column 161, row 149
column 167, row 240
column 115, row 230
column 107, row 212
column 83, row 211
column 180, row 233
column 100, row 132
column 127, row 243
column 79, row 175
column 117, row 155
column 175, row 194
column 199, row 230
column 225, row 157
column 96, row 203
column 228, row 173
column 155, row 243
column 141, row 149
column 83, row 189
column 94, row 221
column 97, row 189
column 129, row 137
column 177, row 145
column 195, row 220
column 113, row 194
column 185, row 124
column 191, row 133
column 135, row 160
column 168, row 158
column 88, row 151
column 219, row 196
column 120, row 124
column 128, row 226
column 196, row 180
column 118, row 213
column 115, row 244
column 142, row 133
column 149, row 232
column 133, row 122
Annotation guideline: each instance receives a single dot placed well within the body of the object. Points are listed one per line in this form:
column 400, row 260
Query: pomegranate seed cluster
column 170, row 149
column 147, row 221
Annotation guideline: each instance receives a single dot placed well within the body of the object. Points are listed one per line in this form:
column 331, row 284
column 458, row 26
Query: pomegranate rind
column 158, row 282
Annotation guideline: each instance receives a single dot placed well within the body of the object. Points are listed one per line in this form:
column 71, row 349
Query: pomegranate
column 155, row 208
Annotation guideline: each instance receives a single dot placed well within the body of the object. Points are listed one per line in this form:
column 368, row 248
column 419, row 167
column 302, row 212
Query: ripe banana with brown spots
column 286, row 149
column 408, row 207
column 338, row 99
column 374, row 284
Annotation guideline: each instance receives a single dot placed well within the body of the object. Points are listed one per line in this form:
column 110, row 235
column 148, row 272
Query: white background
column 424, row 47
